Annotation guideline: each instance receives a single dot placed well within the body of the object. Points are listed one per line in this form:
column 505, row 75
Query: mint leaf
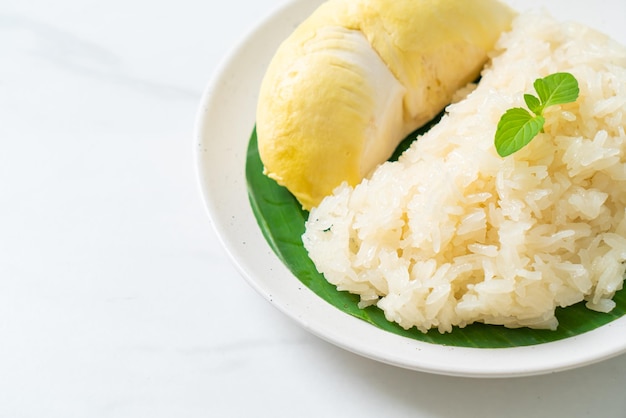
column 557, row 88
column 533, row 104
column 516, row 129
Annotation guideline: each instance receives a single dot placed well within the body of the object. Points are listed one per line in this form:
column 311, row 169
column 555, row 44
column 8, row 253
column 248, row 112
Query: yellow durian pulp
column 357, row 76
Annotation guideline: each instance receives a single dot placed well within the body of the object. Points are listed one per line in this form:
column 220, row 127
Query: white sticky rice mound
column 452, row 233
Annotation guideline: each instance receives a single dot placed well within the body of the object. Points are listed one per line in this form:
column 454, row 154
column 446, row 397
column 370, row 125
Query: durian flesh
column 357, row 76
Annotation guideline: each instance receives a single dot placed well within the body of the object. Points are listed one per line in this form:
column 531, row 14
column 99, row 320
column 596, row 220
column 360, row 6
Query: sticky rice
column 452, row 234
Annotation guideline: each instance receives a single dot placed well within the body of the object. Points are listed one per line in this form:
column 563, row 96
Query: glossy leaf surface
column 281, row 220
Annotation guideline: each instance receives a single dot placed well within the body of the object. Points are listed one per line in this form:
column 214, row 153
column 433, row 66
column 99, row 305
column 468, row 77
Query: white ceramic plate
column 224, row 123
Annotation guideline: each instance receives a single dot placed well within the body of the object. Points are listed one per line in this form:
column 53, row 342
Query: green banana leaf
column 281, row 219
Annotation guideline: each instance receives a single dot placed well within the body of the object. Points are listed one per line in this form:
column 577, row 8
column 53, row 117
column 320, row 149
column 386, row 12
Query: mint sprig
column 517, row 127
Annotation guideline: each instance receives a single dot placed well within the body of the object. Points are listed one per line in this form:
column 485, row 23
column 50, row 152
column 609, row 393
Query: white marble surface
column 115, row 294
